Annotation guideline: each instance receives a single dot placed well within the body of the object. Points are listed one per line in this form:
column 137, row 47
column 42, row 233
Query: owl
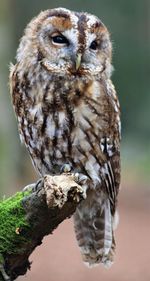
column 69, row 116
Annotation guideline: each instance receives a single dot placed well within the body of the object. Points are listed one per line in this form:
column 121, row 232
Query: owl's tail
column 94, row 231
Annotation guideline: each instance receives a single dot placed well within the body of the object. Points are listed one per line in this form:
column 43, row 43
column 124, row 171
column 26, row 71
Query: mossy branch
column 28, row 216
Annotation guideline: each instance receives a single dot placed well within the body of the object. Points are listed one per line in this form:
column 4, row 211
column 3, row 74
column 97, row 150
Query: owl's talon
column 66, row 168
column 34, row 187
column 39, row 184
column 80, row 178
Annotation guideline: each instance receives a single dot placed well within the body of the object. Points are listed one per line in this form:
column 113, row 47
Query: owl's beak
column 78, row 60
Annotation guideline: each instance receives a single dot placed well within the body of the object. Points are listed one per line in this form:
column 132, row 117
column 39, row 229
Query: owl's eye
column 94, row 45
column 59, row 39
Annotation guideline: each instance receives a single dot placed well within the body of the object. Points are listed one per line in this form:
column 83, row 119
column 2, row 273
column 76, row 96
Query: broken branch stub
column 45, row 205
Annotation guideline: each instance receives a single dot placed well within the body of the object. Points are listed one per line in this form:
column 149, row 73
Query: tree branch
column 31, row 214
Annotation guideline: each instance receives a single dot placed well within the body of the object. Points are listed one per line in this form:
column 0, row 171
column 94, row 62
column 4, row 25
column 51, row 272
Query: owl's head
column 67, row 42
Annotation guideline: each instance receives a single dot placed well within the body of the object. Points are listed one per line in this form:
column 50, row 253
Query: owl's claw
column 80, row 178
column 39, row 184
column 66, row 168
column 34, row 187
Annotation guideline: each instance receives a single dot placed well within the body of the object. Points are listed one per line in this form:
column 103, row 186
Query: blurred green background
column 129, row 24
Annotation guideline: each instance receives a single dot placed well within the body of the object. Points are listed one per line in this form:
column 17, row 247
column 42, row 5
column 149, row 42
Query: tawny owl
column 68, row 113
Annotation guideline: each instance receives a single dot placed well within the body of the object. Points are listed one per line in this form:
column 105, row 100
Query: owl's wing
column 110, row 172
column 17, row 97
column 95, row 218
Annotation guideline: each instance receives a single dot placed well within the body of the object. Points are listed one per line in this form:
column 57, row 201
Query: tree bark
column 40, row 208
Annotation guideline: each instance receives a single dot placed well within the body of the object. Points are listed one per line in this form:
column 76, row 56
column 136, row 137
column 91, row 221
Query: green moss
column 13, row 224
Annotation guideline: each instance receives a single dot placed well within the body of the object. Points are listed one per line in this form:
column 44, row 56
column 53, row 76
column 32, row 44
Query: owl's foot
column 82, row 180
column 66, row 168
column 79, row 178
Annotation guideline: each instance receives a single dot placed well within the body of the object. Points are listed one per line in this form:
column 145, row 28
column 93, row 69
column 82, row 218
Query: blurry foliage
column 129, row 25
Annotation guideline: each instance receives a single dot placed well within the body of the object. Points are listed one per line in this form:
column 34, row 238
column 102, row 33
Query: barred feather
column 94, row 230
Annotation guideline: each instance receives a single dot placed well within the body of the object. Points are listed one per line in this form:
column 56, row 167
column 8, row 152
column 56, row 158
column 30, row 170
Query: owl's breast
column 64, row 122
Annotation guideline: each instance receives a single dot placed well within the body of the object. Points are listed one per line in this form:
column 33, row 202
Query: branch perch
column 31, row 214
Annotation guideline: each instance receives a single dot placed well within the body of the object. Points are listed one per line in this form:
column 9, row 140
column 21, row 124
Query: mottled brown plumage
column 68, row 113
